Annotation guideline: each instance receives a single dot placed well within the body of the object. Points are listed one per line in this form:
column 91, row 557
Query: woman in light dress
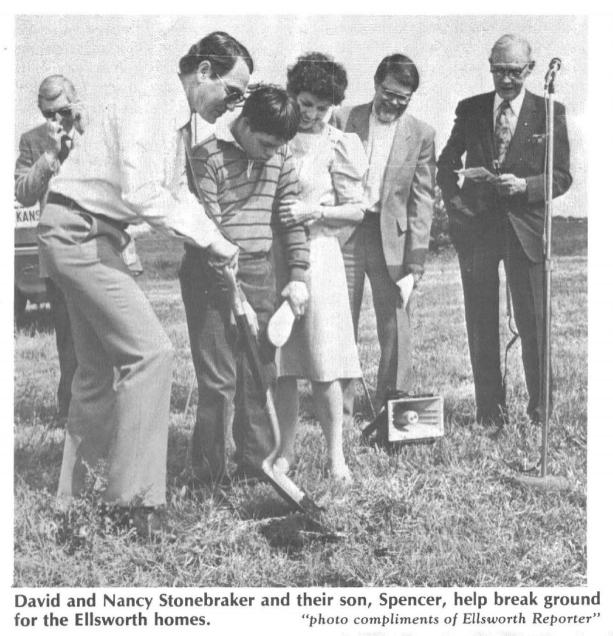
column 330, row 166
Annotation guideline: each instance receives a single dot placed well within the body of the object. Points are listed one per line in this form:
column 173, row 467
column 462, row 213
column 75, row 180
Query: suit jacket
column 473, row 134
column 32, row 170
column 407, row 192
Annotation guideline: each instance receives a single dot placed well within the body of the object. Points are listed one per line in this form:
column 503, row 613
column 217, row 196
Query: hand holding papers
column 478, row 174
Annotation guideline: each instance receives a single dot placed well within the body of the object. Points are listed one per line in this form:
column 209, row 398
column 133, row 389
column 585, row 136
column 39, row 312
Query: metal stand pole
column 545, row 481
column 546, row 348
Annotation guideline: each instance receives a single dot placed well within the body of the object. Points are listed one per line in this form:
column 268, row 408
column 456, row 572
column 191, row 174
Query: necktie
column 65, row 147
column 503, row 132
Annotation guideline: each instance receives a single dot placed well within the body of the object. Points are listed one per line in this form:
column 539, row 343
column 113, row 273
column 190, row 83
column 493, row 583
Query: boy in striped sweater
column 244, row 175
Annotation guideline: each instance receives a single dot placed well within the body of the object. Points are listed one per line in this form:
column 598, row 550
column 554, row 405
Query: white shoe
column 281, row 465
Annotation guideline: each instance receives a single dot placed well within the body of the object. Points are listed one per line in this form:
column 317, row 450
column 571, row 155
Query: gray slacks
column 363, row 256
column 118, row 416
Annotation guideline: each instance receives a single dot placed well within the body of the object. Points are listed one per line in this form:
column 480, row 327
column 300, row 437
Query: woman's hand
column 293, row 212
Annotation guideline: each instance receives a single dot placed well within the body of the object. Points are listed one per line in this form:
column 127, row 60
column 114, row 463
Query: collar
column 223, row 132
column 181, row 113
column 515, row 104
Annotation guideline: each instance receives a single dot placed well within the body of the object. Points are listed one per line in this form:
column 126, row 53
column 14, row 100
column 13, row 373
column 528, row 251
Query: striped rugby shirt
column 244, row 195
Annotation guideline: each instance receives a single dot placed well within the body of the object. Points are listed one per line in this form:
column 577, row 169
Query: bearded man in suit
column 391, row 243
column 503, row 219
column 42, row 151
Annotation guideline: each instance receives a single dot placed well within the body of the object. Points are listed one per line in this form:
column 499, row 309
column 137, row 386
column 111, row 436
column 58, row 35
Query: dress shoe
column 495, row 418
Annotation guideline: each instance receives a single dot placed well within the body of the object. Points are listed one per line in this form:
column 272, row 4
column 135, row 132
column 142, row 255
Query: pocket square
column 537, row 139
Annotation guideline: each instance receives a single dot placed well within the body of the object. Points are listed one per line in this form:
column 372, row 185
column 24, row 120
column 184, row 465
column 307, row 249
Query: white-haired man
column 503, row 131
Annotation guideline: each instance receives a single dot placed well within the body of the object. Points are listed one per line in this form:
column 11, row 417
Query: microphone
column 554, row 67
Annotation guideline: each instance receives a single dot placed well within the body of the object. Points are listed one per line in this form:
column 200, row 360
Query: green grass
column 442, row 514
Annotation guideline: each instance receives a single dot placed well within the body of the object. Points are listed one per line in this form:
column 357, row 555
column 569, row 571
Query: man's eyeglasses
column 62, row 112
column 233, row 96
column 390, row 96
column 513, row 73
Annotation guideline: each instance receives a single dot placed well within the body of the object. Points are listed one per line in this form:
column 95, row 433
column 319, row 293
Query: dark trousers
column 228, row 398
column 363, row 256
column 65, row 345
column 479, row 258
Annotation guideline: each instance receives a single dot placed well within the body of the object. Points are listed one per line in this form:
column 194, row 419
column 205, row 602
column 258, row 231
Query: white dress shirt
column 378, row 148
column 129, row 165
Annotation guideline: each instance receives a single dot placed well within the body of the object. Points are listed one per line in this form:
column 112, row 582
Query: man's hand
column 297, row 294
column 58, row 142
column 250, row 314
column 509, row 185
column 294, row 212
column 222, row 253
column 405, row 286
column 457, row 205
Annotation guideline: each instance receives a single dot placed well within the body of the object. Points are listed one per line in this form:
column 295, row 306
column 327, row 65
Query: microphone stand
column 545, row 481
column 547, row 265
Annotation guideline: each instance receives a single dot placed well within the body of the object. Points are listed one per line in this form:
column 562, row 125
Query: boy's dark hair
column 220, row 49
column 401, row 68
column 320, row 75
column 272, row 110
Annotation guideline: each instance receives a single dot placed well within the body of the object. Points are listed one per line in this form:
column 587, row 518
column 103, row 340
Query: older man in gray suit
column 42, row 151
column 391, row 243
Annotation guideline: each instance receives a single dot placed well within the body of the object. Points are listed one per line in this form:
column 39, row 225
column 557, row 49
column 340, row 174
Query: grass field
column 442, row 514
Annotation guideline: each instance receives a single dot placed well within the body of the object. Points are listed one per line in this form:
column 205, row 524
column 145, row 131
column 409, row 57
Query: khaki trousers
column 118, row 416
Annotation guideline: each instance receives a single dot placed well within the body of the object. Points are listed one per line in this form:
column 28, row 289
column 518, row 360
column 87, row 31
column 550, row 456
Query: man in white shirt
column 504, row 132
column 130, row 167
column 391, row 243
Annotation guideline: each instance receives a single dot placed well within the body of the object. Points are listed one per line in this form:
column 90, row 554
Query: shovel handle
column 236, row 296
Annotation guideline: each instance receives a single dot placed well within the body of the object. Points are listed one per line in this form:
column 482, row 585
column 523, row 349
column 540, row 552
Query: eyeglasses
column 513, row 73
column 233, row 96
column 64, row 112
column 391, row 96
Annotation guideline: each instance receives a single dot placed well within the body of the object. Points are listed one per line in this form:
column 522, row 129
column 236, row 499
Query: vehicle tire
column 20, row 306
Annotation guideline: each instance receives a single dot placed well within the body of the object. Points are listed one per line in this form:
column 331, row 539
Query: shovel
column 284, row 486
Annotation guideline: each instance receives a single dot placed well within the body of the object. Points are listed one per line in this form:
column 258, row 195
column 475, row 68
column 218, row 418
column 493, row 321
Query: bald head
column 513, row 45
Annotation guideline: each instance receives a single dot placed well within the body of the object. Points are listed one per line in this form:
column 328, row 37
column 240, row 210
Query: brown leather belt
column 66, row 202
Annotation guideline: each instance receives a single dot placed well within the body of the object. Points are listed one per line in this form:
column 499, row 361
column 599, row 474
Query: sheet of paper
column 477, row 174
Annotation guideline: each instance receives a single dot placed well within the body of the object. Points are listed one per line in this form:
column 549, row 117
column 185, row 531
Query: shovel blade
column 549, row 482
column 294, row 495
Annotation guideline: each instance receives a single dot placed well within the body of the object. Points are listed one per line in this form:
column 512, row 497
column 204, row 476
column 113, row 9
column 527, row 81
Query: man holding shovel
column 130, row 166
column 243, row 175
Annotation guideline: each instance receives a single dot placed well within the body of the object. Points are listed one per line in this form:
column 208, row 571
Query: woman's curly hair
column 318, row 74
